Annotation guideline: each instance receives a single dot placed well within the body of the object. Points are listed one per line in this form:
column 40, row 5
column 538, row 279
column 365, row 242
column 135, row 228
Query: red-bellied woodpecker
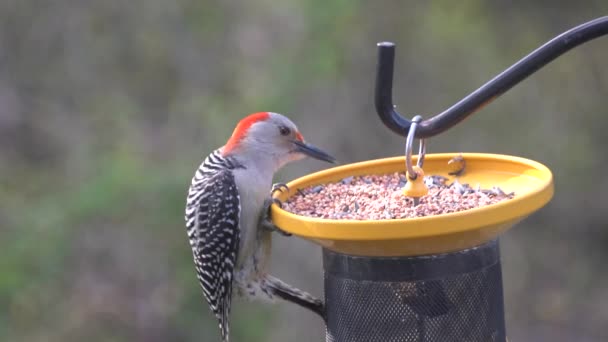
column 227, row 213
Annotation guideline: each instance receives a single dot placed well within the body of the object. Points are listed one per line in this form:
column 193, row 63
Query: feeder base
column 436, row 298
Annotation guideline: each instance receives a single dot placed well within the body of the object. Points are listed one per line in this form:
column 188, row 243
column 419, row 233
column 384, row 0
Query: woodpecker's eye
column 284, row 130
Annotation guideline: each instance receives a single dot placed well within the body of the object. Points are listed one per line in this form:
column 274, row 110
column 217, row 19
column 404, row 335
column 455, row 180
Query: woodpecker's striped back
column 212, row 223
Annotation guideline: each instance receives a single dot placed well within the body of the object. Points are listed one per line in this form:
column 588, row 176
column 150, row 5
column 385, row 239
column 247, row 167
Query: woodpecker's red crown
column 241, row 130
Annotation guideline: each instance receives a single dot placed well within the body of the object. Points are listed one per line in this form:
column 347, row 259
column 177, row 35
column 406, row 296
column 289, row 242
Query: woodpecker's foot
column 294, row 295
column 277, row 202
column 281, row 187
column 266, row 221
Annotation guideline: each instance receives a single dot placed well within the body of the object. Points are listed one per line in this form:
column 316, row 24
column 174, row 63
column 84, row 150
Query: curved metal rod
column 486, row 93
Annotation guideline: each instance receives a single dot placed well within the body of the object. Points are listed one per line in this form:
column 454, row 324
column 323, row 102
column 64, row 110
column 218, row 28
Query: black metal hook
column 486, row 93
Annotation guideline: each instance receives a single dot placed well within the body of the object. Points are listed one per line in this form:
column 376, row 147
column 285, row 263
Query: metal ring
column 408, row 148
column 421, row 153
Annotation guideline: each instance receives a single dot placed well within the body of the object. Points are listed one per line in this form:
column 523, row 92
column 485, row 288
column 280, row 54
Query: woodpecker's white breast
column 254, row 183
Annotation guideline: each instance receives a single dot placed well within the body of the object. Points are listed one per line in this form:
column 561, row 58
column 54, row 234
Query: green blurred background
column 107, row 107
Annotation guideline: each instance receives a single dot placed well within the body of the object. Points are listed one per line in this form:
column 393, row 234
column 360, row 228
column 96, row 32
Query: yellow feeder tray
column 531, row 182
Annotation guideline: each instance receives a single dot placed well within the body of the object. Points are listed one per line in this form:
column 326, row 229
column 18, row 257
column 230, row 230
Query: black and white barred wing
column 212, row 218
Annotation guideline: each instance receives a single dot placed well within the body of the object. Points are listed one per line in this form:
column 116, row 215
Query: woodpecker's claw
column 265, row 220
column 277, row 202
column 281, row 187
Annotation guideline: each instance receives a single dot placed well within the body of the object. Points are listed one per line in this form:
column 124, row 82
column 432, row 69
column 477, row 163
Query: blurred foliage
column 107, row 107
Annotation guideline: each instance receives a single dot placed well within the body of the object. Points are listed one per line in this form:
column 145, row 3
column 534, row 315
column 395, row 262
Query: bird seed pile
column 380, row 197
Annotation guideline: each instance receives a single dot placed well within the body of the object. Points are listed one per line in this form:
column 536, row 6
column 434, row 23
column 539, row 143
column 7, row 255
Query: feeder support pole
column 486, row 93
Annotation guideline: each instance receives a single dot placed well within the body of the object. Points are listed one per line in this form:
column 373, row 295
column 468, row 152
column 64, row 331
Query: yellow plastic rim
column 531, row 181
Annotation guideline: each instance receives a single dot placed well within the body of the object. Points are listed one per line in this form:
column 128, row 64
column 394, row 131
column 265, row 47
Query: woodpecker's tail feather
column 294, row 295
column 224, row 323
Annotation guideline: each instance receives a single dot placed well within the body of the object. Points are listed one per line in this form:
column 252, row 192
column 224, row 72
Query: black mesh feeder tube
column 434, row 278
column 443, row 297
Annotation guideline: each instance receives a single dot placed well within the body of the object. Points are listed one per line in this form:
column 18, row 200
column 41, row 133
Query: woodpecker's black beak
column 313, row 151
